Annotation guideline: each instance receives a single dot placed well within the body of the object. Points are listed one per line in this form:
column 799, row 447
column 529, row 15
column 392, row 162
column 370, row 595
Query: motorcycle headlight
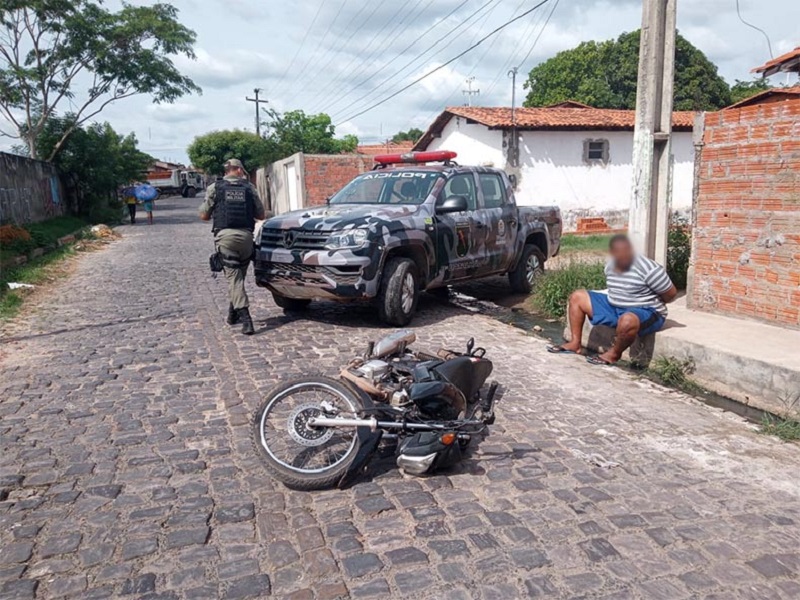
column 349, row 238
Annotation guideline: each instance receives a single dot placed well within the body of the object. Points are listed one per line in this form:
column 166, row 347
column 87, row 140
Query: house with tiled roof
column 570, row 154
column 388, row 147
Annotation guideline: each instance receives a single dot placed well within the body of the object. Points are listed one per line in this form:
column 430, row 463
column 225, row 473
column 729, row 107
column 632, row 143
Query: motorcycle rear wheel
column 300, row 456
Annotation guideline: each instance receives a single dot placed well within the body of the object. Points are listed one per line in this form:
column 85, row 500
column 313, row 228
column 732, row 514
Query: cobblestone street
column 126, row 467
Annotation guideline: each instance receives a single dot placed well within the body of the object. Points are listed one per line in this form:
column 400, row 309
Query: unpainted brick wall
column 327, row 174
column 747, row 235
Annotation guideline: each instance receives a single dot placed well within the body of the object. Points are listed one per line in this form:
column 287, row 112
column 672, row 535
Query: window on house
column 595, row 151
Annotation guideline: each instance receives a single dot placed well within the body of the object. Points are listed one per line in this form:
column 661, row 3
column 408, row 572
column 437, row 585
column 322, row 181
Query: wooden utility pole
column 258, row 110
column 648, row 223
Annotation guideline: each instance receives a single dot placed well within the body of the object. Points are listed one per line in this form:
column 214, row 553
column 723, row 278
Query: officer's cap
column 234, row 163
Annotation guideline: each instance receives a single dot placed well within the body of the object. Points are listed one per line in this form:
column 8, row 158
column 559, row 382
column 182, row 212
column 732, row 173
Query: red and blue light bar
column 415, row 157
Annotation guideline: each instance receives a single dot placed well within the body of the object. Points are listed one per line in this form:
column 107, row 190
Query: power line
column 366, row 62
column 321, row 40
column 530, row 50
column 536, row 41
column 403, row 51
column 300, row 47
column 455, row 58
column 343, row 42
column 477, row 62
column 764, row 33
column 394, row 75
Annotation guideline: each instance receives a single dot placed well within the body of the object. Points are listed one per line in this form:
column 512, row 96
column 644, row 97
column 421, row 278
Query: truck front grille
column 294, row 239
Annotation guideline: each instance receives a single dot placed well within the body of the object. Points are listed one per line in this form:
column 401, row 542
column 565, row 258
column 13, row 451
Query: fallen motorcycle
column 319, row 432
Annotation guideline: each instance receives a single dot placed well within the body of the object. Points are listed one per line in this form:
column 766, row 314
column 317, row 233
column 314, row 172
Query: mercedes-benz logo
column 288, row 239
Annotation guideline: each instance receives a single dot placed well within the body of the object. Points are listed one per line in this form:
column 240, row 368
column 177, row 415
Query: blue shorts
column 650, row 320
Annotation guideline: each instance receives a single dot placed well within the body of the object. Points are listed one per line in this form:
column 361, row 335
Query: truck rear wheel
column 290, row 304
column 399, row 293
column 529, row 268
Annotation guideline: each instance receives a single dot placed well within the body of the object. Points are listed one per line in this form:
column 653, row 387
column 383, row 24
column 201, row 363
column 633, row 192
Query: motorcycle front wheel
column 299, row 455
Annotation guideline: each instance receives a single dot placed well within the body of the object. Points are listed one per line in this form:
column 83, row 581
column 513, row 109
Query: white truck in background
column 177, row 182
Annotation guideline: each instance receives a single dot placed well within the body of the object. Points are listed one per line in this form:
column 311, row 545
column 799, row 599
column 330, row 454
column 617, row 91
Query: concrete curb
column 749, row 362
column 70, row 238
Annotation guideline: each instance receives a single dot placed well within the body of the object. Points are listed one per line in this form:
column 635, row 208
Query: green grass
column 786, row 429
column 554, row 287
column 10, row 305
column 33, row 272
column 673, row 372
column 584, row 243
column 43, row 233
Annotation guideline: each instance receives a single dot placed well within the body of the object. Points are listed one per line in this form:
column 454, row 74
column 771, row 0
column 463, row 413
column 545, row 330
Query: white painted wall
column 475, row 144
column 552, row 170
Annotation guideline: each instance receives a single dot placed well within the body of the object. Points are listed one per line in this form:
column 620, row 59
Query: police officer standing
column 234, row 205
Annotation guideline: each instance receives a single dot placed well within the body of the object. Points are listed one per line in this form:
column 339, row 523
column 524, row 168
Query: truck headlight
column 348, row 238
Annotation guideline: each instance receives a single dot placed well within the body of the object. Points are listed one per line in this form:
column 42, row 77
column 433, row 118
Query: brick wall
column 30, row 190
column 746, row 249
column 327, row 174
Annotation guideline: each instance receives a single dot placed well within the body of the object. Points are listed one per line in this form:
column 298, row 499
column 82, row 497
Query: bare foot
column 610, row 357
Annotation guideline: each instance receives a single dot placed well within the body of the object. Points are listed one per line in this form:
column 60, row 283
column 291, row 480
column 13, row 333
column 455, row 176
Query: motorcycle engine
column 373, row 370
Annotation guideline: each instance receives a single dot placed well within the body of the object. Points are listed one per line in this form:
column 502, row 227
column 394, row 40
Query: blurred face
column 622, row 254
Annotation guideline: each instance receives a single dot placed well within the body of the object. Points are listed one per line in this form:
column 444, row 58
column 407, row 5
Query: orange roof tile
column 785, row 62
column 568, row 116
column 789, row 92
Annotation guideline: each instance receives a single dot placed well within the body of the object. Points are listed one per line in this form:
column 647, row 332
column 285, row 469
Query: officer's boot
column 247, row 322
column 233, row 315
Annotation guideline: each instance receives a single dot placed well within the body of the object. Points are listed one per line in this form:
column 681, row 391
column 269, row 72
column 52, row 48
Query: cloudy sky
column 342, row 56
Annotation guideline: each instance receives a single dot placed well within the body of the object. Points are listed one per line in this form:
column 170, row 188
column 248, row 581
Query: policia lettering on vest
column 234, row 205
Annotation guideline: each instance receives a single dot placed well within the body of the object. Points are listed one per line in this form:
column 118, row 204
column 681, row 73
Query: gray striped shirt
column 639, row 286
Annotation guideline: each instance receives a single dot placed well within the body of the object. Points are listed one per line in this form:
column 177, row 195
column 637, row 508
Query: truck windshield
column 388, row 187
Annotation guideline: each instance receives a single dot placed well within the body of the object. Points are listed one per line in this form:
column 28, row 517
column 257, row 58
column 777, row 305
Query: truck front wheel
column 399, row 293
column 529, row 268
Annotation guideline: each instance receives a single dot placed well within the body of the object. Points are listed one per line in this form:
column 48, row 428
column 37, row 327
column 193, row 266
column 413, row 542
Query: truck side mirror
column 453, row 204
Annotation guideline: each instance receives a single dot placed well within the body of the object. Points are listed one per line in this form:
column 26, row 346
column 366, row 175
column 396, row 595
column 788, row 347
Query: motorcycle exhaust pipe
column 372, row 423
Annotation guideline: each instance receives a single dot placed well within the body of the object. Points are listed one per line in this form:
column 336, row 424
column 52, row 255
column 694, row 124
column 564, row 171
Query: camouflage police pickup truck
column 405, row 227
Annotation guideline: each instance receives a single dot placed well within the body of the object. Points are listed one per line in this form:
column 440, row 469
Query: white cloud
column 244, row 44
column 175, row 113
column 228, row 68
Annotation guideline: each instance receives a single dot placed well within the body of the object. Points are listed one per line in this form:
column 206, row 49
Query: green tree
column 295, row 131
column 604, row 74
column 95, row 160
column 744, row 89
column 412, row 135
column 210, row 151
column 77, row 51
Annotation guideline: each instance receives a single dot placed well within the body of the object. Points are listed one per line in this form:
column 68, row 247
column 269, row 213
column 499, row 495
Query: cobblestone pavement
column 127, row 471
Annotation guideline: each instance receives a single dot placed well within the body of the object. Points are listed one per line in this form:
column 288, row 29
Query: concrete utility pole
column 258, row 110
column 648, row 223
column 469, row 92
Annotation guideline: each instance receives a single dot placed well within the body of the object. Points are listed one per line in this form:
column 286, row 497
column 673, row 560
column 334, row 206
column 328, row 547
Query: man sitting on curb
column 638, row 290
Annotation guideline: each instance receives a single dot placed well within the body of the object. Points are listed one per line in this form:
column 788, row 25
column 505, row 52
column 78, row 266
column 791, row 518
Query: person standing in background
column 129, row 199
